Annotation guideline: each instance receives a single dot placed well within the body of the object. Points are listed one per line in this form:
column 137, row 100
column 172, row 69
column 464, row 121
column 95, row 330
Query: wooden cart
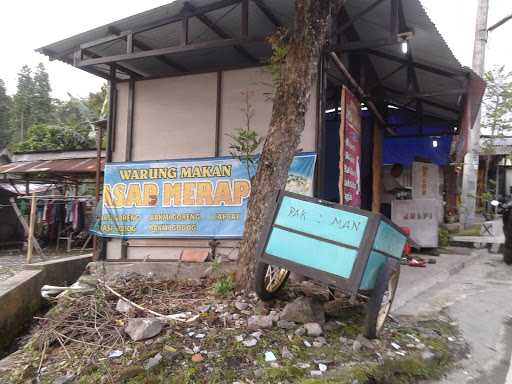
column 343, row 247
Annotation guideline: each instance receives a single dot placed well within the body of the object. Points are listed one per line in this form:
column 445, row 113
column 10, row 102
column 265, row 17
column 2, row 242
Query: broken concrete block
column 313, row 329
column 303, row 310
column 285, row 324
column 259, row 322
column 143, row 328
column 152, row 362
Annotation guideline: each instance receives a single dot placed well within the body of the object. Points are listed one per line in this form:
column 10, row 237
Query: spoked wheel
column 382, row 298
column 269, row 280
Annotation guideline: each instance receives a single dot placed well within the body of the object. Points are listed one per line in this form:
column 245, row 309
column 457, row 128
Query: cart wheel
column 381, row 299
column 269, row 280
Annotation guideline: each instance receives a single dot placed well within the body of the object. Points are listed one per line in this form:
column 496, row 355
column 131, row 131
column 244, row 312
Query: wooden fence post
column 31, row 226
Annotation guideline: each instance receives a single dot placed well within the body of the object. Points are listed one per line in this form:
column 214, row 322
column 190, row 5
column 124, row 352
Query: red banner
column 350, row 150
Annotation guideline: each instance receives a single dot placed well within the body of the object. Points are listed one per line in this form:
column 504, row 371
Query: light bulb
column 405, row 47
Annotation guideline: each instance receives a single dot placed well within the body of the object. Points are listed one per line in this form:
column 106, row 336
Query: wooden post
column 31, row 228
column 377, row 168
column 25, row 227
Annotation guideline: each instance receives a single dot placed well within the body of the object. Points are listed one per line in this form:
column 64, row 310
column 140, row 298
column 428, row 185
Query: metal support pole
column 471, row 160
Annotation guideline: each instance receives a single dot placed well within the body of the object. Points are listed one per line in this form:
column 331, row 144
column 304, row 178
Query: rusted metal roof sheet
column 64, row 166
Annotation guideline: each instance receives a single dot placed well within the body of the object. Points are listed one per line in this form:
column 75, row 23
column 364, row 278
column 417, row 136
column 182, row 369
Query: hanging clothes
column 50, row 212
column 69, row 210
column 45, row 212
column 75, row 215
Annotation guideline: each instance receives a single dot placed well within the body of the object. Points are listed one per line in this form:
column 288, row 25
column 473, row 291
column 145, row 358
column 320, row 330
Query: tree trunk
column 304, row 46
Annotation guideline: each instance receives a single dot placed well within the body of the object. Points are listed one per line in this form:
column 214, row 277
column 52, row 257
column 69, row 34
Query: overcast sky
column 30, row 24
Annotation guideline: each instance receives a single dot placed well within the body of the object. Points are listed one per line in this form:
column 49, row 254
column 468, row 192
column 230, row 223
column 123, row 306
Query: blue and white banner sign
column 204, row 198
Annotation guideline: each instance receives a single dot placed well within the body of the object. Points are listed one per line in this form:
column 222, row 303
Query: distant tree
column 21, row 117
column 497, row 111
column 5, row 124
column 71, row 126
column 44, row 137
column 497, row 117
column 41, row 102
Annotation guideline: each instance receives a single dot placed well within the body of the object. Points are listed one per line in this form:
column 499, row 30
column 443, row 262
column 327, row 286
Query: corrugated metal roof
column 64, row 166
column 427, row 46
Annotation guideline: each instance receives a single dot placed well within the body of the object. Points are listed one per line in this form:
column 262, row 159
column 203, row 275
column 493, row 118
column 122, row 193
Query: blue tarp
column 404, row 150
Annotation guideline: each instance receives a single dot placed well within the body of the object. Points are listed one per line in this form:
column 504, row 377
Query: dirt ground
column 84, row 339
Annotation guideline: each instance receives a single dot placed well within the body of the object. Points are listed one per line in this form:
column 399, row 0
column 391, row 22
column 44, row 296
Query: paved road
column 479, row 299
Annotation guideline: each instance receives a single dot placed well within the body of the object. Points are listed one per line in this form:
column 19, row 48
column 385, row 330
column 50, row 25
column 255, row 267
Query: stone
column 257, row 334
column 153, row 362
column 344, row 340
column 301, row 331
column 259, row 322
column 316, row 373
column 250, row 342
column 259, row 372
column 320, row 340
column 143, row 328
column 260, row 308
column 428, row 356
column 331, row 326
column 123, row 307
column 285, row 324
column 303, row 310
column 313, row 329
column 356, row 347
column 365, row 342
column 64, row 379
column 286, row 353
column 274, row 315
column 241, row 306
column 239, row 338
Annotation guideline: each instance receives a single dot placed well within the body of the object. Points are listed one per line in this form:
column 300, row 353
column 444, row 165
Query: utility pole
column 470, row 172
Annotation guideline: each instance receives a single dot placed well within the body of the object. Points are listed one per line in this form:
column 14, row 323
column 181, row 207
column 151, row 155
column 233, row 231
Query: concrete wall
column 20, row 298
column 20, row 295
column 175, row 118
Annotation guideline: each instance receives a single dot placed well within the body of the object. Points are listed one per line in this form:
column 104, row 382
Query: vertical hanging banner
column 196, row 198
column 350, row 149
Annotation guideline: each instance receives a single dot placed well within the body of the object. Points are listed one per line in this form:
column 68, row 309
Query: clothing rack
column 48, row 199
column 59, row 198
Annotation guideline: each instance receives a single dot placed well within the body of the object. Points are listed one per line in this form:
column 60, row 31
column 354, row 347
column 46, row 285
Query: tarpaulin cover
column 403, row 148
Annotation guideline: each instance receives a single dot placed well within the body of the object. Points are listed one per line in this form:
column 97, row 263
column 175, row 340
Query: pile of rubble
column 142, row 330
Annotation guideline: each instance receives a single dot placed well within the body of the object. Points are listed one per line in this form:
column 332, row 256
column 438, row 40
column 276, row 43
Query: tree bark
column 304, row 46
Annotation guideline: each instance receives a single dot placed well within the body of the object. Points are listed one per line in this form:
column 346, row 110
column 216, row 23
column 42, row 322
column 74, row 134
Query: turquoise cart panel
column 375, row 261
column 389, row 240
column 310, row 252
column 322, row 221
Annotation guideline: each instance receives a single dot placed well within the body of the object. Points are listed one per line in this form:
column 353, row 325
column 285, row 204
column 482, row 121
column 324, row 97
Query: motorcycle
column 506, row 212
